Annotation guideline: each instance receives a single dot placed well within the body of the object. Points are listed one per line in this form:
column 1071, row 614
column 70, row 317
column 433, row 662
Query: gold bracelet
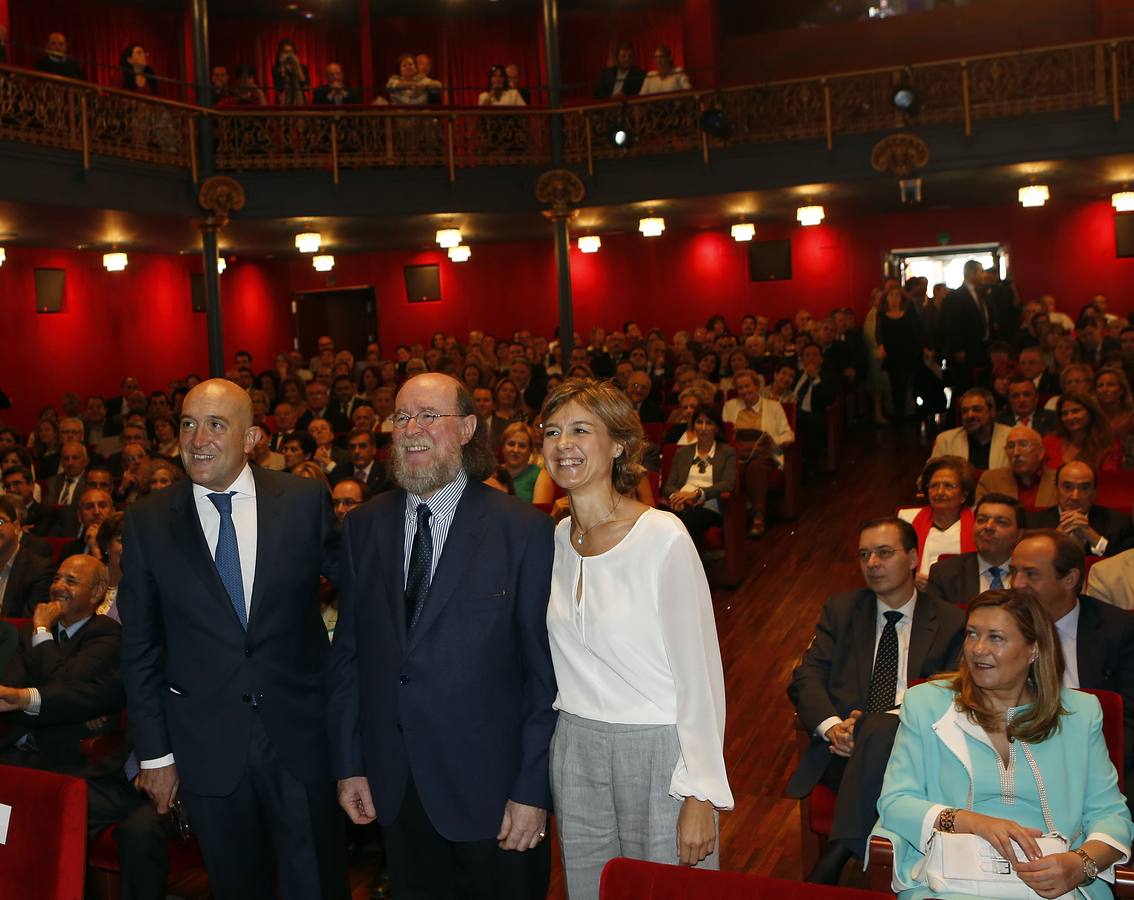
column 946, row 821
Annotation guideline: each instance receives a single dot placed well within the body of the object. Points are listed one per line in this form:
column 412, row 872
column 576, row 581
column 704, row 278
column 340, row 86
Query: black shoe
column 829, row 869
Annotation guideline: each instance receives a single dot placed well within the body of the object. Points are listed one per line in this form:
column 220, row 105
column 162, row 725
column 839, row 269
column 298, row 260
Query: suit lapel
column 392, row 562
column 465, row 535
column 865, row 614
column 269, row 533
column 970, row 577
column 187, row 536
column 922, row 631
column 1089, row 646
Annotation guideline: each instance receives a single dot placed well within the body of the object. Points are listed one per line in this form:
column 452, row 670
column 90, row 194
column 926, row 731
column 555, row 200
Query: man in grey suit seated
column 999, row 519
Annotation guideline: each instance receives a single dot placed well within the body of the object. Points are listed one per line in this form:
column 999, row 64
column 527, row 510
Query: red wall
column 139, row 321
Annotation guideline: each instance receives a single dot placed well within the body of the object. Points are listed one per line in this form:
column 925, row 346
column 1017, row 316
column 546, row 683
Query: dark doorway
column 349, row 315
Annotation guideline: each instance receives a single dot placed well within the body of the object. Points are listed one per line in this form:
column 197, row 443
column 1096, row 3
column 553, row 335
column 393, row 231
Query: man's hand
column 46, row 615
column 356, row 800
column 696, row 831
column 91, row 538
column 14, row 699
column 522, row 827
column 160, row 785
column 96, row 724
column 1075, row 523
column 841, row 736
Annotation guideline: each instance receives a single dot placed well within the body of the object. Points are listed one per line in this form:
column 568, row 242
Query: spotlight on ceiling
column 323, row 263
column 651, row 226
column 308, row 242
column 716, row 123
column 1123, row 201
column 221, row 265
column 743, row 231
column 448, row 237
column 621, row 136
column 590, row 243
column 114, row 262
column 460, row 253
column 810, row 215
column 905, row 100
column 1034, row 195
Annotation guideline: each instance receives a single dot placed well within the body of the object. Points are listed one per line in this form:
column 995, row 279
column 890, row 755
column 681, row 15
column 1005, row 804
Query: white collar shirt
column 1068, row 628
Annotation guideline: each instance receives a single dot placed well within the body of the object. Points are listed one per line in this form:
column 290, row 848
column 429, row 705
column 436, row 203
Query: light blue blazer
column 931, row 769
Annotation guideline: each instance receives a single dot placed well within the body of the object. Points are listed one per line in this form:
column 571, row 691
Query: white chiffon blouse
column 640, row 645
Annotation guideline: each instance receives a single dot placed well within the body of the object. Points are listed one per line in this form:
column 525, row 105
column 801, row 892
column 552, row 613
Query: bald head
column 1075, row 486
column 217, row 433
column 79, row 586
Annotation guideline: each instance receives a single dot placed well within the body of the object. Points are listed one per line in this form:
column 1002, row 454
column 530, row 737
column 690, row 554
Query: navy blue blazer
column 192, row 672
column 465, row 702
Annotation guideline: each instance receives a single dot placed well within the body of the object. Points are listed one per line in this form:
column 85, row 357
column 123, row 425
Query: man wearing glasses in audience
column 1025, row 477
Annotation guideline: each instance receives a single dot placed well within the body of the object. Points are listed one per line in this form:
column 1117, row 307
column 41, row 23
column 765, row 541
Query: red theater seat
column 635, row 879
column 57, row 544
column 43, row 857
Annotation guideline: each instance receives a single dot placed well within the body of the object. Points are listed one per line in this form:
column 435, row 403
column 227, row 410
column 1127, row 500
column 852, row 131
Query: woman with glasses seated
column 945, row 526
column 700, row 473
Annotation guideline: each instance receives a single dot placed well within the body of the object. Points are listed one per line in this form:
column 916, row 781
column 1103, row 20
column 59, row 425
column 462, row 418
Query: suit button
column 247, row 651
column 247, row 698
column 403, row 679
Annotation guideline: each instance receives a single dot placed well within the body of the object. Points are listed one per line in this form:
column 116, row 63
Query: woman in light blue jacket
column 980, row 752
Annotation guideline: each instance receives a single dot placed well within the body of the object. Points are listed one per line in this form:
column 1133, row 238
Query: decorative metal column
column 220, row 196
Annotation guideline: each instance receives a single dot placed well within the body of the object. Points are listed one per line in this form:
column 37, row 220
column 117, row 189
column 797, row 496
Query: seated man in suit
column 345, row 496
column 94, row 508
column 1025, row 477
column 327, row 455
column 638, row 388
column 868, row 646
column 38, row 519
column 1023, row 403
column 1112, row 580
column 364, row 467
column 64, row 685
column 1097, row 639
column 980, row 440
column 1099, row 530
column 25, row 576
column 624, row 79
column 998, row 521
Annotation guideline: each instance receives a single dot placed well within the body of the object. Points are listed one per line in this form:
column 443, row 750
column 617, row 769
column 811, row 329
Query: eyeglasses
column 424, row 419
column 345, row 501
column 884, row 554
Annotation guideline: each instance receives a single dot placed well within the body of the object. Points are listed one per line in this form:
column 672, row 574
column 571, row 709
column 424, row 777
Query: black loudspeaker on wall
column 769, row 261
column 1124, row 234
column 423, row 283
column 197, row 291
column 49, row 290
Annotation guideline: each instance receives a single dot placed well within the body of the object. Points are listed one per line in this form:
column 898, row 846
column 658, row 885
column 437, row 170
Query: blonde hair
column 613, row 409
column 310, row 469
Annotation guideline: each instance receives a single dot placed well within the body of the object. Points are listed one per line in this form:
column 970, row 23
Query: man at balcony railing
column 624, row 79
column 335, row 92
column 55, row 60
column 666, row 77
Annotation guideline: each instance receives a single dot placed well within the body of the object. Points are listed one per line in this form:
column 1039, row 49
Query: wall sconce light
column 1034, row 195
column 1123, row 201
column 2, row 256
column 590, row 243
column 114, row 262
column 308, row 242
column 448, row 238
column 459, row 253
column 651, row 226
column 743, row 231
column 323, row 263
column 221, row 265
column 810, row 215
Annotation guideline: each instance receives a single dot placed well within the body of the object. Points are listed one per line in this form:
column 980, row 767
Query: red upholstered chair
column 1116, row 490
column 17, row 623
column 655, row 431
column 635, row 879
column 816, row 810
column 57, row 545
column 43, row 857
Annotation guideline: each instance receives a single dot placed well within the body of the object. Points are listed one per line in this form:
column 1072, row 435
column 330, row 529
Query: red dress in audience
column 1054, row 448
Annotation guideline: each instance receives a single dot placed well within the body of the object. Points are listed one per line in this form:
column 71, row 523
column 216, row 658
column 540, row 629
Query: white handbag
column 968, row 864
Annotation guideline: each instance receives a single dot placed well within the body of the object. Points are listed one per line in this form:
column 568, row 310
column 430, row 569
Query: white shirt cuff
column 1099, row 549
column 928, row 823
column 42, row 636
column 34, row 702
column 160, row 763
column 826, row 726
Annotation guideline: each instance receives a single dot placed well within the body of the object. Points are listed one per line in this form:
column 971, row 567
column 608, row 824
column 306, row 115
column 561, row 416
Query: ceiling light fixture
column 114, row 262
column 460, row 253
column 651, row 226
column 448, row 237
column 323, row 263
column 590, row 243
column 1123, row 201
column 1034, row 195
column 810, row 215
column 308, row 242
column 743, row 231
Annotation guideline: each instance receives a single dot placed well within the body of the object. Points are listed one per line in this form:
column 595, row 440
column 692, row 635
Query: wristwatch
column 1090, row 867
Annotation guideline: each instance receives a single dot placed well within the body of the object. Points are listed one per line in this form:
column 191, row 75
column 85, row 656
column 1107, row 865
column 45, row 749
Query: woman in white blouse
column 667, row 77
column 498, row 93
column 637, row 762
column 946, row 524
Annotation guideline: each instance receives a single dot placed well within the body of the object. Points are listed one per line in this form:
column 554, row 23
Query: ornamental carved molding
column 560, row 189
column 900, row 154
column 221, row 196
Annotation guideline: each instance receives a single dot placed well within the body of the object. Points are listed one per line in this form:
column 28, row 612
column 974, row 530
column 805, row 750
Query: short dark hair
column 710, row 412
column 19, row 470
column 110, row 529
column 905, row 530
column 1003, row 500
column 362, row 432
column 1069, row 553
column 477, row 457
column 305, row 441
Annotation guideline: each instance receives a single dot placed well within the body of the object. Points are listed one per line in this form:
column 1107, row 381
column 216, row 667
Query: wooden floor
column 763, row 627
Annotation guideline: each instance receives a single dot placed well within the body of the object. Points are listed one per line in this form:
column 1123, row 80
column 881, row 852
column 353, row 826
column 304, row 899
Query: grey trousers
column 610, row 787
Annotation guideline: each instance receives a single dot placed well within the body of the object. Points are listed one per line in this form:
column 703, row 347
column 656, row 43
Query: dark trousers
column 856, row 809
column 812, row 428
column 697, row 521
column 423, row 865
column 273, row 826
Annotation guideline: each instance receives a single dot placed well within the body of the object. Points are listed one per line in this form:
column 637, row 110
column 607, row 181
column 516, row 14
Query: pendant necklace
column 583, row 534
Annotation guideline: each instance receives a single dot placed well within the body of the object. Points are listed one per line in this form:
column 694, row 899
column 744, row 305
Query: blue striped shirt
column 442, row 506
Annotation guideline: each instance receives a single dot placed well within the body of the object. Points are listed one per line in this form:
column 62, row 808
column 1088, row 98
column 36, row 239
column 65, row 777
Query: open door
column 349, row 315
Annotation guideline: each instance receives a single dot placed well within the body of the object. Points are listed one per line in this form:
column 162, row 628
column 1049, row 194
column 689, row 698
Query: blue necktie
column 994, row 582
column 228, row 556
column 420, row 568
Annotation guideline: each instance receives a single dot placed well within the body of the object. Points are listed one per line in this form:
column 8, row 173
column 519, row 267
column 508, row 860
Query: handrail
column 50, row 110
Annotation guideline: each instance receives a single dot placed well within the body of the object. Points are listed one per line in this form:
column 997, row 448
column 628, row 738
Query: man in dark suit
column 1099, row 530
column 441, row 683
column 638, row 388
column 999, row 519
column 868, row 646
column 621, row 80
column 25, row 576
column 285, row 425
column 224, row 652
column 1023, row 407
column 1097, row 638
column 65, row 487
column 95, row 507
column 343, row 402
column 967, row 325
column 363, row 467
column 38, row 519
column 335, row 92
